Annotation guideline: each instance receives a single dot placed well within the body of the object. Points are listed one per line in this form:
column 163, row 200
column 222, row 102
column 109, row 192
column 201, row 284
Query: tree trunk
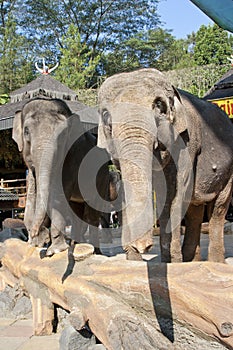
column 127, row 304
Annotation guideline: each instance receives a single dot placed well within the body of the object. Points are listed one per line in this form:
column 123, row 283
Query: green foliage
column 99, row 38
column 15, row 67
column 101, row 24
column 87, row 96
column 142, row 50
column 77, row 64
column 176, row 56
column 4, row 98
column 198, row 79
column 10, row 158
column 158, row 48
column 212, row 45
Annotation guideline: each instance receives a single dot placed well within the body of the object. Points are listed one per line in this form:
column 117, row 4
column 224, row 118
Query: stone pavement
column 18, row 334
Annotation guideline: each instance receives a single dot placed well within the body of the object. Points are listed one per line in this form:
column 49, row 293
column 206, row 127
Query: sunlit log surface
column 127, row 304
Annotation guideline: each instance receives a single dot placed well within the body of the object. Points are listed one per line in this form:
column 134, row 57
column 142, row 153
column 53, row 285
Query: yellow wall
column 225, row 104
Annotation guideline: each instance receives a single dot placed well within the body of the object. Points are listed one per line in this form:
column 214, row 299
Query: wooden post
column 43, row 316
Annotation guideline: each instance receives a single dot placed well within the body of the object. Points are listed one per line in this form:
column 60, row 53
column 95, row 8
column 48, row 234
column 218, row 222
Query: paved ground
column 18, row 335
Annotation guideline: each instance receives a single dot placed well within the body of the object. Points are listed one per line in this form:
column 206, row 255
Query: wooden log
column 128, row 304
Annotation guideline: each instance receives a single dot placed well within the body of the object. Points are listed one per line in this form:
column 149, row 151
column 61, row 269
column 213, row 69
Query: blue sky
column 182, row 16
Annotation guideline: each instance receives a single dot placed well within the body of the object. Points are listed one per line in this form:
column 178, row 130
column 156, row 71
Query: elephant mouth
column 163, row 156
column 33, row 170
column 30, row 165
column 161, row 146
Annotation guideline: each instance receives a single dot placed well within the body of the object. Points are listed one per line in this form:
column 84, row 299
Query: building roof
column 219, row 11
column 7, row 196
column 222, row 88
column 46, row 86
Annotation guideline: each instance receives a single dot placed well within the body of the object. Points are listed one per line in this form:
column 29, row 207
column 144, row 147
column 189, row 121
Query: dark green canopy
column 220, row 11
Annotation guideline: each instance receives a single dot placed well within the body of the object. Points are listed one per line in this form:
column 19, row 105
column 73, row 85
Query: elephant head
column 141, row 115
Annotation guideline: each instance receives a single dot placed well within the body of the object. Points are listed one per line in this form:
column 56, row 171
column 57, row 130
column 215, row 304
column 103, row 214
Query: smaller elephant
column 68, row 179
column 171, row 142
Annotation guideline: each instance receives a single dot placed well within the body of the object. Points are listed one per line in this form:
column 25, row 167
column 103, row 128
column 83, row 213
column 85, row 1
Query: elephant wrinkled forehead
column 46, row 107
column 139, row 87
column 50, row 111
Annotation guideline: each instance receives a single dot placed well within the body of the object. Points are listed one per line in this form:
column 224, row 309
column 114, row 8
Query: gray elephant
column 172, row 142
column 68, row 179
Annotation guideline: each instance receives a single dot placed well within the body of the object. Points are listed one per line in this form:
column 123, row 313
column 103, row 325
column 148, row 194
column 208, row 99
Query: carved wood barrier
column 127, row 305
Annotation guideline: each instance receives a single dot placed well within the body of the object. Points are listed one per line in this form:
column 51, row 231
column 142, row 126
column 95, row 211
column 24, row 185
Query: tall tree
column 176, row 55
column 145, row 49
column 212, row 45
column 15, row 65
column 77, row 65
column 102, row 24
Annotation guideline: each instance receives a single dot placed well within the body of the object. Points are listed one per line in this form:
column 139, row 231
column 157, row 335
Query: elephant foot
column 188, row 258
column 58, row 245
column 192, row 253
column 42, row 239
column 97, row 251
column 133, row 254
column 217, row 258
column 144, row 243
column 167, row 258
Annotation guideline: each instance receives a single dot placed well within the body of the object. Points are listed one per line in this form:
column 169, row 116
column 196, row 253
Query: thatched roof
column 46, row 86
column 222, row 88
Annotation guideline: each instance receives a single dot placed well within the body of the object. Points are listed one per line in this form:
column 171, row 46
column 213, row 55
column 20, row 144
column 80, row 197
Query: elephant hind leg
column 191, row 245
column 217, row 215
column 92, row 217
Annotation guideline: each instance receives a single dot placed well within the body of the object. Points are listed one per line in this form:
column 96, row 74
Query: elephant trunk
column 46, row 178
column 136, row 168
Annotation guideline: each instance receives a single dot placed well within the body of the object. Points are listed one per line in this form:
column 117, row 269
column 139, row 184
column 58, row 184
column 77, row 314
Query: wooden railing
column 17, row 187
column 8, row 186
column 19, row 190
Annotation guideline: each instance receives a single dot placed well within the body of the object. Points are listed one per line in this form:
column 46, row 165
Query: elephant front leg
column 57, row 231
column 92, row 217
column 170, row 215
column 216, row 250
column 58, row 242
column 169, row 242
column 191, row 245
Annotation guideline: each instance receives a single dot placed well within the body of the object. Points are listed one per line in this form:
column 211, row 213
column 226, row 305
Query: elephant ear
column 17, row 133
column 75, row 117
column 101, row 141
column 180, row 120
column 75, row 127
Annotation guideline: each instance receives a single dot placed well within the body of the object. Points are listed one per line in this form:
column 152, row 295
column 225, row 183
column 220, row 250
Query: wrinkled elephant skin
column 172, row 142
column 68, row 176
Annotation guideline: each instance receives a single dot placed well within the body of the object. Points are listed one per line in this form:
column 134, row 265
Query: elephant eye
column 105, row 117
column 26, row 133
column 171, row 103
column 107, row 120
column 160, row 104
